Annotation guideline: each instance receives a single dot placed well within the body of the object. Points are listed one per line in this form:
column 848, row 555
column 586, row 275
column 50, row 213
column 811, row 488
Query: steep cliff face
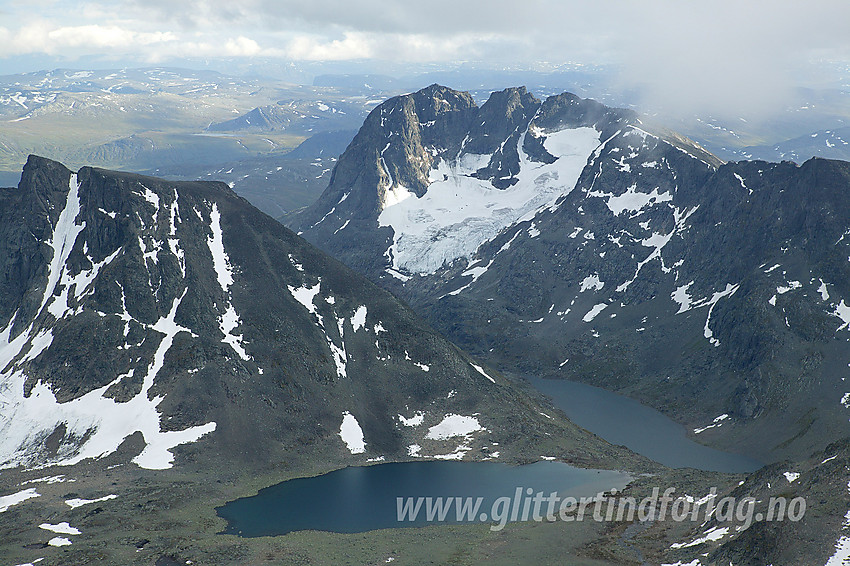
column 725, row 297
column 430, row 176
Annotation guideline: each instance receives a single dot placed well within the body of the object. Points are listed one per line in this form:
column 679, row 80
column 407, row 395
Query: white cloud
column 726, row 54
column 317, row 48
column 651, row 37
column 102, row 37
column 713, row 53
column 112, row 41
column 418, row 47
column 42, row 37
column 242, row 47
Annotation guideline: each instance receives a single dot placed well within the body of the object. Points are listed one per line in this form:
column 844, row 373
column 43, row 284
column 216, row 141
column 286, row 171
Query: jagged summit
column 418, row 121
column 458, row 173
column 568, row 240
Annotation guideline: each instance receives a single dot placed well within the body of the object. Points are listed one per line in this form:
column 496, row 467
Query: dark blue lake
column 358, row 499
column 624, row 421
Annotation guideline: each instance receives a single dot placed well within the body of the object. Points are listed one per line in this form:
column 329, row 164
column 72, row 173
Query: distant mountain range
column 143, row 119
column 832, row 144
column 277, row 184
column 298, row 115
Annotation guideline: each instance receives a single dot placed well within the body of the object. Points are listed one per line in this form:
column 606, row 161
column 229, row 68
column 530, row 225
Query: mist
column 730, row 59
column 719, row 57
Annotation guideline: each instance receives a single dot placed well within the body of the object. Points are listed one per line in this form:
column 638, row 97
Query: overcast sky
column 744, row 50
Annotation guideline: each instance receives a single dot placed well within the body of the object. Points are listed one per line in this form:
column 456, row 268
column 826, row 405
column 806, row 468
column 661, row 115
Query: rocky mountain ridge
column 635, row 260
column 178, row 311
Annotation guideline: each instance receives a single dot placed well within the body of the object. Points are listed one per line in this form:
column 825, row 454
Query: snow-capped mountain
column 569, row 240
column 467, row 169
column 178, row 315
column 620, row 255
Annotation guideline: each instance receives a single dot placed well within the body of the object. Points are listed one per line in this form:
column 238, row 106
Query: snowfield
column 458, row 212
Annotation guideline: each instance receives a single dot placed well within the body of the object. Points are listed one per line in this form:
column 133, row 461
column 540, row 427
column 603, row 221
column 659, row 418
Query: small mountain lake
column 621, row 420
column 364, row 498
column 358, row 499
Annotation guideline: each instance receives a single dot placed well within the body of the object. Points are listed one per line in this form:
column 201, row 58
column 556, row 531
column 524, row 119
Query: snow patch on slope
column 416, row 420
column 681, row 296
column 480, row 370
column 842, row 311
column 99, row 422
column 7, row 501
column 727, row 292
column 63, row 528
column 103, row 422
column 791, row 476
column 711, row 535
column 718, row 421
column 594, row 312
column 306, row 296
column 591, row 283
column 229, row 321
column 77, row 502
column 352, row 434
column 358, row 321
column 452, row 426
column 64, row 236
column 632, row 200
column 656, row 241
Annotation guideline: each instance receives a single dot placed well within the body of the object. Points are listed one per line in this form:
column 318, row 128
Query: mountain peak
column 47, row 181
column 426, row 103
column 511, row 97
column 178, row 311
column 598, row 239
column 455, row 168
